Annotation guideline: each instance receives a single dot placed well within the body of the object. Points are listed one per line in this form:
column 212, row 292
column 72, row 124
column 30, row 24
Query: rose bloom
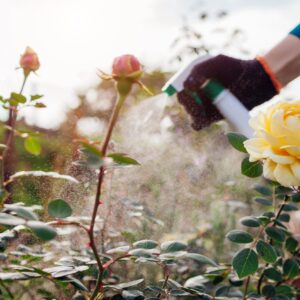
column 29, row 61
column 125, row 65
column 276, row 141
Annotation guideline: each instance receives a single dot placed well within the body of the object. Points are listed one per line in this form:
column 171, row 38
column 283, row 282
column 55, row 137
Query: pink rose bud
column 126, row 65
column 29, row 61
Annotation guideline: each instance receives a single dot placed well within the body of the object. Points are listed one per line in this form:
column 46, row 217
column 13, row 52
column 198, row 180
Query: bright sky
column 75, row 37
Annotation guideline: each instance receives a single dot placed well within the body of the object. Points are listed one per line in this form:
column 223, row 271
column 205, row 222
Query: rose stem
column 9, row 139
column 111, row 124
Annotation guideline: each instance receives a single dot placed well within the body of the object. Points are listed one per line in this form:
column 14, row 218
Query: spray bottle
column 227, row 104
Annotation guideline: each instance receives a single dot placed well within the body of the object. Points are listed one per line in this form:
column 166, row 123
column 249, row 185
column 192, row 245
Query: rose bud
column 29, row 61
column 127, row 66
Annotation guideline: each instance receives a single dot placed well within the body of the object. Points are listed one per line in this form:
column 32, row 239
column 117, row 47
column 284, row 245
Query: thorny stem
column 112, row 261
column 246, row 287
column 104, row 146
column 109, row 210
column 260, row 280
column 67, row 223
column 166, row 276
column 7, row 290
column 281, row 208
column 13, row 112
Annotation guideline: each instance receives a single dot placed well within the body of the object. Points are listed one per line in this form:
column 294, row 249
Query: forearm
column 284, row 59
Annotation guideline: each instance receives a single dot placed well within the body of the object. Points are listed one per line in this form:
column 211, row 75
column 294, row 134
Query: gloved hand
column 246, row 79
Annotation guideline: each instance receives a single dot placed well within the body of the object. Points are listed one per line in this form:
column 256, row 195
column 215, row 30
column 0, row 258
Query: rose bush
column 277, row 142
column 265, row 266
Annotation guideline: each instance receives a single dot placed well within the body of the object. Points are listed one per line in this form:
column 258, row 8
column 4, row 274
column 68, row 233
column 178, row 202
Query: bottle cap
column 212, row 88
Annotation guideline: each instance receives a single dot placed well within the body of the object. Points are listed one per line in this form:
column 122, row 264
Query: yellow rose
column 276, row 141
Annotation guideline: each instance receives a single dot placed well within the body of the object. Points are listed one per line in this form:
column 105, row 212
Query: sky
column 74, row 38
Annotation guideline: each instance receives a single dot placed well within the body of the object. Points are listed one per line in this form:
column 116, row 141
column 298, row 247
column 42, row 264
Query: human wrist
column 270, row 73
column 284, row 59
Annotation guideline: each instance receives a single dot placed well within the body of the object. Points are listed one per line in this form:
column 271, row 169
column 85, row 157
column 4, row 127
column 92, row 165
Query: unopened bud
column 29, row 61
column 126, row 65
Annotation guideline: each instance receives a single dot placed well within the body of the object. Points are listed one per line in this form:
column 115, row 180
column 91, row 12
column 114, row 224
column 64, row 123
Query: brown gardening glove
column 246, row 79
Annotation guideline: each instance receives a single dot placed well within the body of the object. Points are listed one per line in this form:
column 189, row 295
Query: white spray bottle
column 227, row 104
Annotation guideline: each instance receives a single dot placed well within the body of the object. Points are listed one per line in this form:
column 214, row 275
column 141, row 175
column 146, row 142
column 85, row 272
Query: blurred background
column 75, row 37
column 189, row 184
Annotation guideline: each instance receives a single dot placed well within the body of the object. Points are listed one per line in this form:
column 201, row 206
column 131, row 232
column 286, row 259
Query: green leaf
column 273, row 274
column 291, row 268
column 145, row 244
column 201, row 259
column 88, row 148
column 122, row 159
column 234, row 281
column 290, row 207
column 179, row 293
column 9, row 220
column 266, row 251
column 268, row 290
column 196, row 283
column 283, row 190
column 125, row 285
column 174, row 284
column 32, row 145
column 76, row 283
column 284, row 290
column 17, row 98
column 284, row 218
column 132, row 295
column 21, row 211
column 264, row 220
column 237, row 141
column 250, row 222
column 173, row 246
column 119, row 250
column 251, row 169
column 59, row 209
column 269, row 214
column 239, row 236
column 3, row 195
column 39, row 105
column 291, row 244
column 263, row 201
column 140, row 253
column 222, row 291
column 263, row 190
column 35, row 97
column 296, row 198
column 276, row 234
column 245, row 262
column 42, row 230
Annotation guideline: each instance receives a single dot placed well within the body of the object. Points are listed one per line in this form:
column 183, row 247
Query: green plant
column 266, row 267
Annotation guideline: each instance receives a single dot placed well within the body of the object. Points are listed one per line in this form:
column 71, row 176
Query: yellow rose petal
column 280, row 159
column 296, row 169
column 293, row 123
column 268, row 169
column 292, row 150
column 272, row 140
column 278, row 127
column 258, row 122
column 256, row 148
column 284, row 175
column 277, row 141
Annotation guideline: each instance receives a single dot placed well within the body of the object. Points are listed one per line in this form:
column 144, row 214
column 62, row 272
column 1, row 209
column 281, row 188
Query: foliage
column 265, row 266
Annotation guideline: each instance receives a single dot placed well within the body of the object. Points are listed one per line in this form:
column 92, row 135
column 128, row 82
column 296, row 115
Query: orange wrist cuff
column 277, row 84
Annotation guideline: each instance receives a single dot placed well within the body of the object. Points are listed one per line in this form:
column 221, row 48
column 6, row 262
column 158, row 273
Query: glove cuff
column 277, row 84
